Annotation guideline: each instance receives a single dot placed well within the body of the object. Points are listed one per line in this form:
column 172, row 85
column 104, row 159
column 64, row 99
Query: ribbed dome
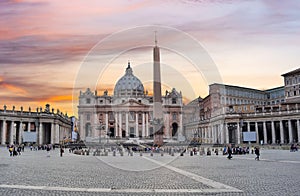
column 129, row 85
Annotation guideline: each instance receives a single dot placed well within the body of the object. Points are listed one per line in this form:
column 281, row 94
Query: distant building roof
column 296, row 71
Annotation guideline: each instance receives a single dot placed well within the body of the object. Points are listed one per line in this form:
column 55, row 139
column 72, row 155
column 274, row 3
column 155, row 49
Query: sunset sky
column 50, row 49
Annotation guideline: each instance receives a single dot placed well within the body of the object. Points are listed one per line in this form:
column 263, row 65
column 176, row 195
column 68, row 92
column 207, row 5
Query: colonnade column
column 126, row 124
column 147, row 125
column 226, row 134
column 209, row 134
column 248, row 126
column 28, row 127
column 213, row 135
column 238, row 133
column 11, row 134
column 136, row 124
column 265, row 133
column 52, row 133
column 256, row 132
column 298, row 130
column 143, row 125
column 222, row 133
column 273, row 132
column 290, row 132
column 57, row 133
column 21, row 130
column 281, row 132
column 3, row 136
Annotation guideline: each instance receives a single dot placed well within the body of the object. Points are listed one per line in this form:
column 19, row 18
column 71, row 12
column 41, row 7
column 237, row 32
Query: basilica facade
column 128, row 113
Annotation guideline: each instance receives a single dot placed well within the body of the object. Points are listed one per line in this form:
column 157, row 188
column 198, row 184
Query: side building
column 233, row 114
column 37, row 127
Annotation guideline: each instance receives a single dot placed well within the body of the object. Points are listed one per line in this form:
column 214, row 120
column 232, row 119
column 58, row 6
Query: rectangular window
column 88, row 100
column 174, row 116
column 88, row 117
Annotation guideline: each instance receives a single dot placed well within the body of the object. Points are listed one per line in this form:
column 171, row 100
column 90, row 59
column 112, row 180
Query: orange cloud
column 12, row 88
column 59, row 98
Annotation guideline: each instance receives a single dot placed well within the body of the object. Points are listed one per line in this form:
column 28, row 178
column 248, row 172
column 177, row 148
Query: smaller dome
column 128, row 85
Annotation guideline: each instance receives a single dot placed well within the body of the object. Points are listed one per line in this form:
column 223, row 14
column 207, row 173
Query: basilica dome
column 128, row 85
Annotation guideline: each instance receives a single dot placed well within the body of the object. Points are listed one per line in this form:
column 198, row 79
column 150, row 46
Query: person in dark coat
column 256, row 151
column 229, row 151
column 61, row 151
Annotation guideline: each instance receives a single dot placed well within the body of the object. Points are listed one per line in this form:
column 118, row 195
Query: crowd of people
column 15, row 150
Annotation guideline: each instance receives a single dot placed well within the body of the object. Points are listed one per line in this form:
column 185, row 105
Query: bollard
column 114, row 153
column 141, row 154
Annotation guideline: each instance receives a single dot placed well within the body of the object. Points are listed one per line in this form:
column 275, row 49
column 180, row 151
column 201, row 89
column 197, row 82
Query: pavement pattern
column 33, row 173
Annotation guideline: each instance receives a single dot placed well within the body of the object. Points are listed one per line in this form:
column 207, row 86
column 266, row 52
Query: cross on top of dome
column 128, row 69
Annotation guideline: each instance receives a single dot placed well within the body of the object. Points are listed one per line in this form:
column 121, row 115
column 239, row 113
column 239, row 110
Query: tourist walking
column 256, row 151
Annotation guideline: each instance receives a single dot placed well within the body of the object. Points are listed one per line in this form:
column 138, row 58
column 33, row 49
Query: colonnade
column 277, row 131
column 12, row 131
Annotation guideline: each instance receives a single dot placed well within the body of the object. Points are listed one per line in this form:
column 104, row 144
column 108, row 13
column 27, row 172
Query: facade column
column 52, row 140
column 11, row 134
column 116, row 125
column 147, row 125
column 273, row 132
column 41, row 133
column 106, row 125
column 256, row 132
column 281, row 132
column 127, row 124
column 4, row 131
column 226, row 134
column 120, row 125
column 28, row 127
column 167, row 126
column 238, row 135
column 265, row 132
column 180, row 124
column 298, row 130
column 290, row 132
column 136, row 125
column 143, row 125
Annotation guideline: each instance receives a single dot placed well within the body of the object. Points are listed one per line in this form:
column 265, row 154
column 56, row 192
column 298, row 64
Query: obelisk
column 158, row 122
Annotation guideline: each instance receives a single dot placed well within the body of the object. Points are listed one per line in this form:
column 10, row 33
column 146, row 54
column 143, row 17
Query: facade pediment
column 131, row 103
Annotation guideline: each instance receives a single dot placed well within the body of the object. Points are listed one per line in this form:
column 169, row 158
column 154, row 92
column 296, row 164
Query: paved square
column 33, row 173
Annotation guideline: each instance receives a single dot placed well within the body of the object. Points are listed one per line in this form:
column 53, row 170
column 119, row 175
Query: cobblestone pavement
column 33, row 173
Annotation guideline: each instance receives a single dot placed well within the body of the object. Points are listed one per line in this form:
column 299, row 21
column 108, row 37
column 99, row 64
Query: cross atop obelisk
column 158, row 123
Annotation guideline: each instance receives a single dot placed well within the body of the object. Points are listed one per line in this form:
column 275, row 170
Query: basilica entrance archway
column 174, row 129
